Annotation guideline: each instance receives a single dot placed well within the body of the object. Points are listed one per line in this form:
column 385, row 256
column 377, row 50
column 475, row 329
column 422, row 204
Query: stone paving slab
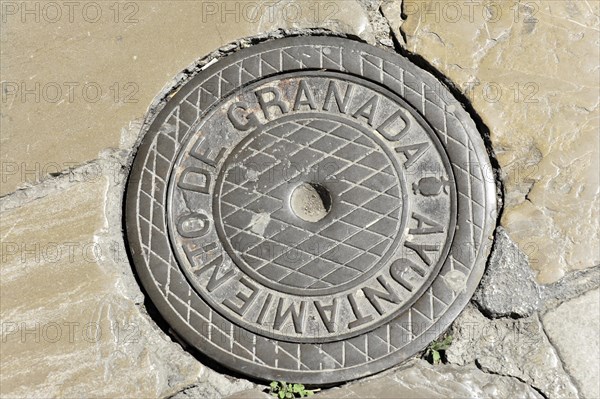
column 72, row 321
column 510, row 347
column 573, row 328
column 420, row 380
column 530, row 70
column 72, row 78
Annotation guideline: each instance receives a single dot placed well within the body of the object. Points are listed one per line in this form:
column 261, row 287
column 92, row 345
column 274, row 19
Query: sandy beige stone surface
column 530, row 70
column 74, row 75
column 573, row 328
column 420, row 380
column 510, row 347
column 71, row 321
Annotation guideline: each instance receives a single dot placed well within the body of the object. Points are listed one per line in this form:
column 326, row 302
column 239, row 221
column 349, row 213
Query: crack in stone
column 559, row 357
column 510, row 348
column 52, row 184
column 487, row 371
column 571, row 286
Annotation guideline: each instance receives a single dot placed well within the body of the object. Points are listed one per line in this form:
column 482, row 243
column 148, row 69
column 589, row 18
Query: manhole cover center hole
column 311, row 202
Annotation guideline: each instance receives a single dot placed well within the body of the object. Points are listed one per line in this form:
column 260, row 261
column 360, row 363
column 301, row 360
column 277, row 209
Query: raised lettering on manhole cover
column 310, row 209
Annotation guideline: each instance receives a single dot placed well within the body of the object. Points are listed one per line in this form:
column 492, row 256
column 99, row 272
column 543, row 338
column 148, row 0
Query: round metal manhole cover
column 310, row 209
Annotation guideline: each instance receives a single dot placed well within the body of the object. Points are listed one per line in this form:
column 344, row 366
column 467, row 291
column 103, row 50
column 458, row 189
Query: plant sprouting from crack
column 283, row 390
column 436, row 347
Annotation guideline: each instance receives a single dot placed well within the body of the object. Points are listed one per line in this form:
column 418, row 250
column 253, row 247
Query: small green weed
column 283, row 390
column 434, row 349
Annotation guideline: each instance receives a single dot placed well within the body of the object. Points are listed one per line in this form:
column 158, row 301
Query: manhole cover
column 311, row 210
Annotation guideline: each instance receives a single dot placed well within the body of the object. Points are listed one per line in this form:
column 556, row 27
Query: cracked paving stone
column 420, row 380
column 517, row 348
column 573, row 329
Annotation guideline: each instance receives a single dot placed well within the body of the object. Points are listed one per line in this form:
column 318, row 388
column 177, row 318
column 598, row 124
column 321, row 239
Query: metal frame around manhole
column 266, row 357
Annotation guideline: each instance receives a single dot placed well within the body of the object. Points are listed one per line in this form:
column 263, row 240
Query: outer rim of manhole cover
column 215, row 290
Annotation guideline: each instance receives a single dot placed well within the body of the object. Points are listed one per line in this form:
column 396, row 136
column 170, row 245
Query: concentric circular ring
column 293, row 255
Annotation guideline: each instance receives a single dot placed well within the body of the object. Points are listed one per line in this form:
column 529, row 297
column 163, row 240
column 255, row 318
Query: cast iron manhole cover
column 310, row 210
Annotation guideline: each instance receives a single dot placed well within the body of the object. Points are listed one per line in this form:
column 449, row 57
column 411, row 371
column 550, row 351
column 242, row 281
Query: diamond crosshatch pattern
column 363, row 181
column 261, row 356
